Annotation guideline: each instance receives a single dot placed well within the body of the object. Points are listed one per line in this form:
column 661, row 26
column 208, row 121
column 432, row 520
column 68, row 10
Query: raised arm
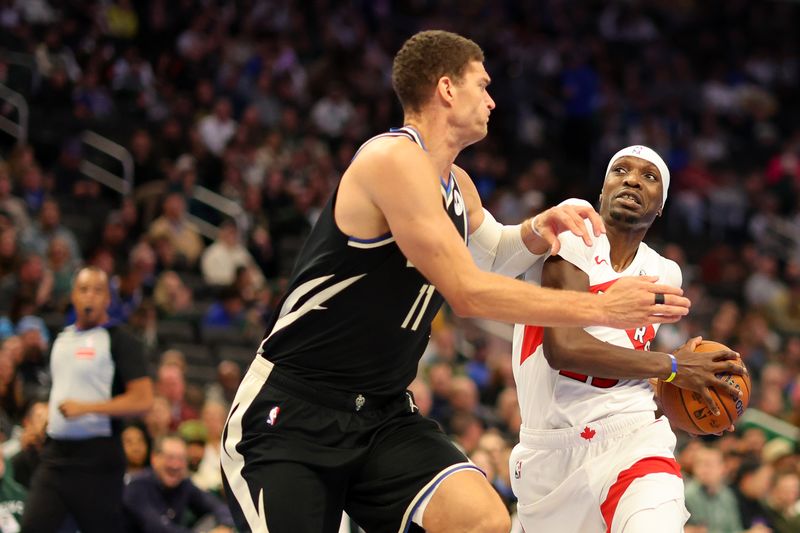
column 399, row 181
column 512, row 249
column 575, row 350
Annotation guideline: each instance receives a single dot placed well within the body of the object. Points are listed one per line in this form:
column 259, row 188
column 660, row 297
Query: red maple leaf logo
column 588, row 433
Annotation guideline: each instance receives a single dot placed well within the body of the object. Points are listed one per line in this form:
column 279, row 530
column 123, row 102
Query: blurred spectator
column 170, row 385
column 217, row 128
column 784, row 309
column 466, row 430
column 158, row 420
column 751, row 486
column 92, row 99
column 10, row 253
column 332, row 112
column 120, row 20
column 12, row 498
column 440, row 377
column 227, row 311
column 223, row 391
column 31, row 282
column 174, row 226
column 194, row 434
column 173, row 357
column 114, row 237
column 709, row 499
column 209, row 475
column 172, row 298
column 37, row 237
column 222, row 258
column 422, row 396
column 136, row 444
column 32, row 439
column 52, row 54
column 63, row 266
column 783, row 503
column 763, row 285
column 34, row 369
column 157, row 500
column 9, row 203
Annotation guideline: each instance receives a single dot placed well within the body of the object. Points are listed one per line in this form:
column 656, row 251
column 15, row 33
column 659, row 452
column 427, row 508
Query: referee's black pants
column 82, row 478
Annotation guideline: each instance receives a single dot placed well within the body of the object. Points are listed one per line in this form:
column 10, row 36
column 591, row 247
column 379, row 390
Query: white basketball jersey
column 550, row 399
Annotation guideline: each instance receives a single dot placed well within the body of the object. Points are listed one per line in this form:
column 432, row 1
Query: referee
column 99, row 374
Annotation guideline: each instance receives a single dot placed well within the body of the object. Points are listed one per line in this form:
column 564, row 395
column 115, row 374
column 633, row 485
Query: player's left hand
column 548, row 224
column 72, row 409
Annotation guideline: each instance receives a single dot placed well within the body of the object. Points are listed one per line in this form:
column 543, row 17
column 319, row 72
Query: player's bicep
column 410, row 200
column 559, row 273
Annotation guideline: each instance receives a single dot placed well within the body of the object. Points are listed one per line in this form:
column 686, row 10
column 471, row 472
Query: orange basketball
column 686, row 410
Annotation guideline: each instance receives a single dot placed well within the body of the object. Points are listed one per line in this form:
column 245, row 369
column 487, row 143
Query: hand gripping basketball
column 709, row 392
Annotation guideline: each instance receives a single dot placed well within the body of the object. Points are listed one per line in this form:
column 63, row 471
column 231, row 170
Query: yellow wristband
column 674, row 368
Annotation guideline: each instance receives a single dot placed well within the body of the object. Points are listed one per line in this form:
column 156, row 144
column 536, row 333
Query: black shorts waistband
column 340, row 400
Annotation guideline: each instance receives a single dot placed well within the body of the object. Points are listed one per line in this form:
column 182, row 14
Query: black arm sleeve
column 128, row 352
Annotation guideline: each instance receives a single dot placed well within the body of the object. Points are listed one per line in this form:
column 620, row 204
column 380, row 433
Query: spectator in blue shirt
column 159, row 499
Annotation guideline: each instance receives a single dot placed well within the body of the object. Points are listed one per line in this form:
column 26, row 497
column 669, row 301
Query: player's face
column 91, row 297
column 632, row 192
column 472, row 103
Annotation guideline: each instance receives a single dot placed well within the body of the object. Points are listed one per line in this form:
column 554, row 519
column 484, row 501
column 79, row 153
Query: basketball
column 686, row 409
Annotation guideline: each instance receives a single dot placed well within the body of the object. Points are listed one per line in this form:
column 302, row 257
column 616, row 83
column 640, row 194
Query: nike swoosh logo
column 599, row 261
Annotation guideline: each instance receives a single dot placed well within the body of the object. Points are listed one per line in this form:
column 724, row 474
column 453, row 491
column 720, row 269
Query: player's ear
column 445, row 88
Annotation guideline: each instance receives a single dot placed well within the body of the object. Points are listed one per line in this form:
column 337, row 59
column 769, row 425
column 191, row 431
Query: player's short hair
column 424, row 59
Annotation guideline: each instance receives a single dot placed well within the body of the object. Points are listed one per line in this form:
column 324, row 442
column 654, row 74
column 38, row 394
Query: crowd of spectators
column 265, row 102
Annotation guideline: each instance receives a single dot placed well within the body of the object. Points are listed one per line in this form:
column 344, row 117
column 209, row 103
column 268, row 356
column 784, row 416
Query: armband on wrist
column 674, row 368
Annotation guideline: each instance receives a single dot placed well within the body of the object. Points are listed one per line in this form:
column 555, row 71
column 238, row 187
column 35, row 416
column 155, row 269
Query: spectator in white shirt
column 221, row 260
column 217, row 128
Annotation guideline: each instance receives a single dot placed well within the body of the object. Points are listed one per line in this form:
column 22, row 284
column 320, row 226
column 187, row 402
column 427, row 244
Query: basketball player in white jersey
column 592, row 456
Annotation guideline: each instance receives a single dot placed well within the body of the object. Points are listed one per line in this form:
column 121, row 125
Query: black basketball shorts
column 294, row 457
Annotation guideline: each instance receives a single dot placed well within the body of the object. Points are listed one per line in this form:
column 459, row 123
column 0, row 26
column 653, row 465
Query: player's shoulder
column 669, row 270
column 389, row 149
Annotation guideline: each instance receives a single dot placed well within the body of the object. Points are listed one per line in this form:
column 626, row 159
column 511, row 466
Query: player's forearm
column 507, row 250
column 499, row 298
column 575, row 350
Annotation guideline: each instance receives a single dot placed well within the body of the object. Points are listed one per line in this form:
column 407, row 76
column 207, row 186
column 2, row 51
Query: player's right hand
column 697, row 371
column 630, row 303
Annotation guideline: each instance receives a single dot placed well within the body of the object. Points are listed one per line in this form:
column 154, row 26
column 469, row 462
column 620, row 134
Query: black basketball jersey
column 357, row 314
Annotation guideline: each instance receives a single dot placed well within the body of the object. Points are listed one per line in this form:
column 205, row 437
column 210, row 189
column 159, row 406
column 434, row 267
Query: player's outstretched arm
column 549, row 224
column 398, row 178
column 575, row 350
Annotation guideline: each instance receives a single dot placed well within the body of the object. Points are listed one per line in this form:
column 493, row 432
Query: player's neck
column 623, row 245
column 438, row 139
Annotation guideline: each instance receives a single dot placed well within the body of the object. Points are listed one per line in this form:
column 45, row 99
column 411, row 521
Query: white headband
column 648, row 154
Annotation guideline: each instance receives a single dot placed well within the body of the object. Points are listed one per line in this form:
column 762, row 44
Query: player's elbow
column 556, row 351
column 463, row 305
column 464, row 295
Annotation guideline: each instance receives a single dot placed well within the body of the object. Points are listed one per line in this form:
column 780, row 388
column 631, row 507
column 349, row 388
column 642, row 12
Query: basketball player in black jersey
column 322, row 421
